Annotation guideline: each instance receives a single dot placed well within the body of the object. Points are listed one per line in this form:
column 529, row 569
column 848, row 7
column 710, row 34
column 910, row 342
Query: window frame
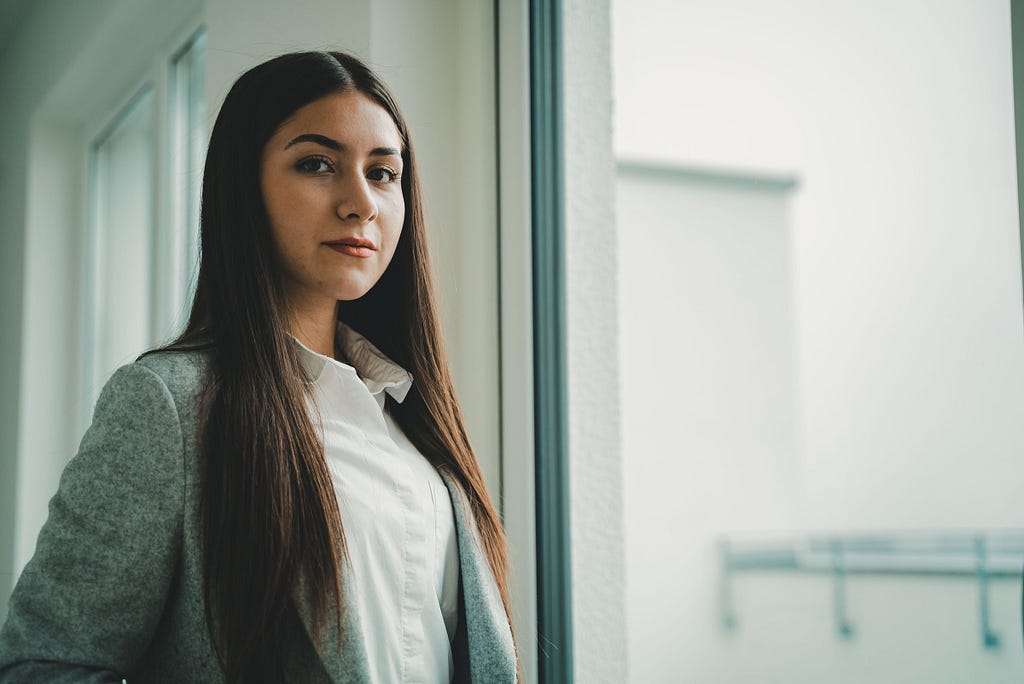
column 166, row 244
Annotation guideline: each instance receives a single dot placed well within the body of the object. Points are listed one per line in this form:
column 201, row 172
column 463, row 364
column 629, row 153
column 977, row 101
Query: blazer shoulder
column 183, row 372
column 93, row 596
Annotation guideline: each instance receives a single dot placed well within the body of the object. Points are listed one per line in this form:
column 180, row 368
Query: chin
column 349, row 294
column 350, row 286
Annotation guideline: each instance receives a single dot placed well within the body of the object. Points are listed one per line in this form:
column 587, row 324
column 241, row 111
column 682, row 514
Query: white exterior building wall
column 905, row 375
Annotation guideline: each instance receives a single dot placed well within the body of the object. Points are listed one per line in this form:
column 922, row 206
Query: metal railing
column 981, row 556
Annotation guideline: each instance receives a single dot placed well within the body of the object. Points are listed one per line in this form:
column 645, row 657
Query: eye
column 383, row 174
column 314, row 165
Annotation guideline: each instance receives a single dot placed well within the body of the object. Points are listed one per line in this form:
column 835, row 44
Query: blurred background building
column 821, row 339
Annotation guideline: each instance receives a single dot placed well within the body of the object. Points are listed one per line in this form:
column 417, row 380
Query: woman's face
column 330, row 179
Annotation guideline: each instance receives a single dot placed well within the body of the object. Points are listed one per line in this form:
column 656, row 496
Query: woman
column 287, row 492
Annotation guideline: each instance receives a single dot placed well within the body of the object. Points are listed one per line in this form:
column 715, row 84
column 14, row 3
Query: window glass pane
column 821, row 341
column 122, row 236
column 188, row 114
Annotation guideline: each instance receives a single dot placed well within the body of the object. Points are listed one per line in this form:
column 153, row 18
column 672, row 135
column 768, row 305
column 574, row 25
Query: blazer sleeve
column 90, row 599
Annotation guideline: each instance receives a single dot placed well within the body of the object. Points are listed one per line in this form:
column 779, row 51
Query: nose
column 355, row 200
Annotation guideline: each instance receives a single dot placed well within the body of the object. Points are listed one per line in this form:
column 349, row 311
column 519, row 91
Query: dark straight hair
column 268, row 511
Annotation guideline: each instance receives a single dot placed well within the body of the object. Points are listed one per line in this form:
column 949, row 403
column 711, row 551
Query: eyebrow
column 333, row 144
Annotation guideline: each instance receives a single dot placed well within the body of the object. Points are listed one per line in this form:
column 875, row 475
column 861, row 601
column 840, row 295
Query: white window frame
column 516, row 296
column 170, row 249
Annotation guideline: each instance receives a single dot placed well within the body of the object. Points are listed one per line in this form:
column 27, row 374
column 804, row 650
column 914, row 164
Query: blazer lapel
column 491, row 652
column 350, row 665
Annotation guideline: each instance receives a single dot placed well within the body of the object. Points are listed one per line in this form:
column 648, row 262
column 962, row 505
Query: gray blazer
column 115, row 588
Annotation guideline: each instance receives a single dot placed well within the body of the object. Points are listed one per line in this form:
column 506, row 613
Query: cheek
column 393, row 236
column 289, row 216
column 392, row 219
column 272, row 200
column 284, row 222
column 278, row 233
column 286, row 209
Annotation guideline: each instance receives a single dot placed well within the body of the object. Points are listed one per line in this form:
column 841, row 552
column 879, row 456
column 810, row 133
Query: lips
column 354, row 246
column 354, row 241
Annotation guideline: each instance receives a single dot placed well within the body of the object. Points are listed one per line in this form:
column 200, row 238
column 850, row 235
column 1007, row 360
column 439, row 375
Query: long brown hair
column 268, row 510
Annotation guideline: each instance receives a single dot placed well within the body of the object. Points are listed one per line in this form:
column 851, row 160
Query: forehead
column 351, row 117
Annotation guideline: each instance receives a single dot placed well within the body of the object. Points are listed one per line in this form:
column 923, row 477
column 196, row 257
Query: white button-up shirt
column 396, row 512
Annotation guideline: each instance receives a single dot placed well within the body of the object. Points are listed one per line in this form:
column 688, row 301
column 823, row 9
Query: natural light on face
column 331, row 183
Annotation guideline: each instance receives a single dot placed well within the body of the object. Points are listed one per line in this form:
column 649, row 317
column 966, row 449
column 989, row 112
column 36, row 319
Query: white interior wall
column 50, row 326
column 438, row 57
column 240, row 34
column 26, row 76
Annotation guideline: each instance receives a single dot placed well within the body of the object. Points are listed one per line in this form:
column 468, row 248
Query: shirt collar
column 376, row 370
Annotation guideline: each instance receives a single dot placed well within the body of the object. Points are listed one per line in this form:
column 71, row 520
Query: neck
column 315, row 328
